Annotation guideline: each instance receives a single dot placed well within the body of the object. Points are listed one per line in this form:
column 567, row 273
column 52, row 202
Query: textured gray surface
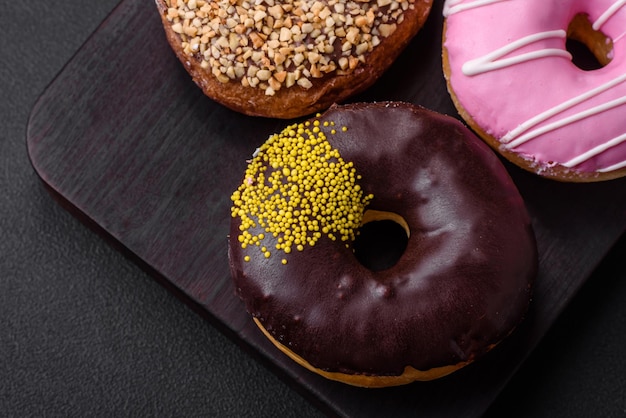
column 84, row 331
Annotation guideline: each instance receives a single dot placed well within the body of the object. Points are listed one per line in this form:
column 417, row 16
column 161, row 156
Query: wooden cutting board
column 126, row 142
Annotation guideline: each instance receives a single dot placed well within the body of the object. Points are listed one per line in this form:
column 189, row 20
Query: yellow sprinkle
column 296, row 189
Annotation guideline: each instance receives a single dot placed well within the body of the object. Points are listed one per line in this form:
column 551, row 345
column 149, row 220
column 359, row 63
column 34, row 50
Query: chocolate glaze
column 462, row 284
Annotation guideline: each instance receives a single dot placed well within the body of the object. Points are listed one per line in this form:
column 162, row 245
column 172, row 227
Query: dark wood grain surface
column 127, row 143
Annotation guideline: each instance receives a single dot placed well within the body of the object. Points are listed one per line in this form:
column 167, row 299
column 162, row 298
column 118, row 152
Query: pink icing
column 511, row 72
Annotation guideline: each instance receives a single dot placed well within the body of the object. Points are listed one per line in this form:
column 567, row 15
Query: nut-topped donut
column 514, row 80
column 461, row 285
column 287, row 59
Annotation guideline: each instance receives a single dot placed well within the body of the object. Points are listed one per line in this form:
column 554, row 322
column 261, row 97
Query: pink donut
column 514, row 82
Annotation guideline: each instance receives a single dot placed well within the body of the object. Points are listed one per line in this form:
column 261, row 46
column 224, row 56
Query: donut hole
column 381, row 241
column 591, row 49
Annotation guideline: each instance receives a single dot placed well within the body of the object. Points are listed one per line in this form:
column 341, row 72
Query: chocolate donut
column 462, row 284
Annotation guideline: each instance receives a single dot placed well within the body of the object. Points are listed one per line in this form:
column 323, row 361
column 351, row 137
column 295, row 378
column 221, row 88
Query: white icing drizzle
column 550, row 113
column 566, row 121
column 613, row 167
column 492, row 61
column 608, row 14
column 595, row 151
column 454, row 6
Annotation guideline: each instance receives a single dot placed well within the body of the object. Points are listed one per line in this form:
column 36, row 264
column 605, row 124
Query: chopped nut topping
column 269, row 45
